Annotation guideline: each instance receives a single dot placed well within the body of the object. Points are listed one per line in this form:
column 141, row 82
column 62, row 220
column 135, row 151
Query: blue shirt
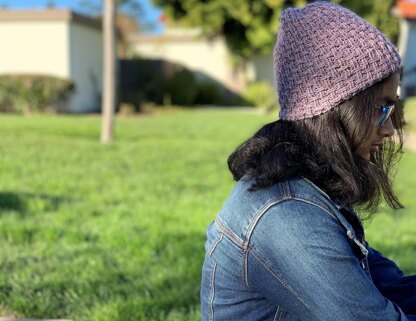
column 288, row 252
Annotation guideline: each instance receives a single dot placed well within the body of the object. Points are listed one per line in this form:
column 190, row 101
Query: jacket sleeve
column 301, row 259
column 392, row 283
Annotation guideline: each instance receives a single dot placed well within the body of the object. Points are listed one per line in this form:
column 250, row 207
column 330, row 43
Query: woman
column 287, row 245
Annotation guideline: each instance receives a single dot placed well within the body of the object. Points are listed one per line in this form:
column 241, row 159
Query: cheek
column 374, row 134
column 365, row 145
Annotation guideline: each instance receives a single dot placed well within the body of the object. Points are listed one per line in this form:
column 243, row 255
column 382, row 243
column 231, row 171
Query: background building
column 55, row 42
column 407, row 45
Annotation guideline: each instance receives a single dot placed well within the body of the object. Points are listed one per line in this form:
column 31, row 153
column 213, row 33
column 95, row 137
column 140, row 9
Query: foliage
column 209, row 93
column 156, row 81
column 33, row 93
column 182, row 88
column 165, row 83
column 212, row 92
column 261, row 94
column 129, row 19
column 378, row 13
column 250, row 26
column 133, row 9
column 116, row 232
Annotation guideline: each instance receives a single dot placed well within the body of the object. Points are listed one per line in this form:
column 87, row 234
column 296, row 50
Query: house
column 209, row 57
column 206, row 57
column 212, row 58
column 406, row 10
column 55, row 42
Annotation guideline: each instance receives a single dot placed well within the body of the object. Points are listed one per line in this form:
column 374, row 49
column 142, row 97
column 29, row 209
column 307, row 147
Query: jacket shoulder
column 243, row 208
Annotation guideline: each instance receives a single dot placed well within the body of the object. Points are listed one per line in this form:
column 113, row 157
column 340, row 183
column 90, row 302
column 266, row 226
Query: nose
column 388, row 129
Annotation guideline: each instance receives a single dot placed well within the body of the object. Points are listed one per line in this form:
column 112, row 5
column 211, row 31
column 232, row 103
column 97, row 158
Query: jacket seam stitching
column 214, row 246
column 212, row 292
column 317, row 205
column 234, row 238
column 245, row 267
column 259, row 215
column 286, row 190
column 286, row 195
column 276, row 276
column 333, row 215
column 271, row 204
column 278, row 315
column 322, row 192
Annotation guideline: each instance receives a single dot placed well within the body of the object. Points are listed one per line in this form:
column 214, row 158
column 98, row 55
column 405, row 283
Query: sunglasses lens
column 382, row 121
column 386, row 113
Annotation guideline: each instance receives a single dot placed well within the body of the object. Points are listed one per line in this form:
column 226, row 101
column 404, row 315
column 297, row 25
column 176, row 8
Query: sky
column 150, row 13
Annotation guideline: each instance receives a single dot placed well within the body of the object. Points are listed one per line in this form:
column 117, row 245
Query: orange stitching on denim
column 230, row 234
column 212, row 293
column 259, row 215
column 245, row 267
column 218, row 240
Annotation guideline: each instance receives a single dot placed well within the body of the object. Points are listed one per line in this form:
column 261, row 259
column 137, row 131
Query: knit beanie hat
column 325, row 54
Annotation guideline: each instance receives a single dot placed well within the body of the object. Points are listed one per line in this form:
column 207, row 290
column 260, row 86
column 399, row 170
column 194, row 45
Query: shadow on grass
column 23, row 203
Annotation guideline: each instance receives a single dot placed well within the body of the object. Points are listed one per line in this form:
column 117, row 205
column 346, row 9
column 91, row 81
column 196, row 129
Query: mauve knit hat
column 324, row 55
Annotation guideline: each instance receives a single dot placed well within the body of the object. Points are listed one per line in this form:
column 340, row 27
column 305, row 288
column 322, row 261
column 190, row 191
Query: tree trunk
column 109, row 71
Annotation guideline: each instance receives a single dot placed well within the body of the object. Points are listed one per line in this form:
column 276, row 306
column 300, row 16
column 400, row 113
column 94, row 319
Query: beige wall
column 263, row 69
column 39, row 47
column 85, row 65
column 57, row 43
column 208, row 57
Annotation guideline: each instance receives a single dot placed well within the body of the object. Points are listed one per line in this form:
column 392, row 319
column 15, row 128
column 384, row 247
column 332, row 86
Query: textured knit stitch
column 325, row 54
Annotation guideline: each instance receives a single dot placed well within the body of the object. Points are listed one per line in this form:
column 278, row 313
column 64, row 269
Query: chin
column 364, row 153
column 366, row 156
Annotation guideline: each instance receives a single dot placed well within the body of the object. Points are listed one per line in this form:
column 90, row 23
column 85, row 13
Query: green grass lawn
column 116, row 232
column 410, row 113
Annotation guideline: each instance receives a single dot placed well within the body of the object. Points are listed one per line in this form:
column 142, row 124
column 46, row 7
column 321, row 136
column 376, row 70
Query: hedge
column 33, row 93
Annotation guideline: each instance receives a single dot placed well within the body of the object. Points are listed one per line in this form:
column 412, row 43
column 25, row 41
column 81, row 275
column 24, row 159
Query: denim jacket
column 288, row 252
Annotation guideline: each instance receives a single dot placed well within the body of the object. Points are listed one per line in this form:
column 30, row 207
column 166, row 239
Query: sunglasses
column 386, row 111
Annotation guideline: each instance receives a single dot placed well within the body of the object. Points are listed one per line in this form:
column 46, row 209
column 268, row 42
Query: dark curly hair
column 322, row 149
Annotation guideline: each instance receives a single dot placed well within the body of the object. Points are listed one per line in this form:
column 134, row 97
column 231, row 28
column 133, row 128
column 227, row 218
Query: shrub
column 212, row 92
column 33, row 93
column 209, row 93
column 261, row 94
column 163, row 83
column 126, row 109
column 182, row 87
column 156, row 81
